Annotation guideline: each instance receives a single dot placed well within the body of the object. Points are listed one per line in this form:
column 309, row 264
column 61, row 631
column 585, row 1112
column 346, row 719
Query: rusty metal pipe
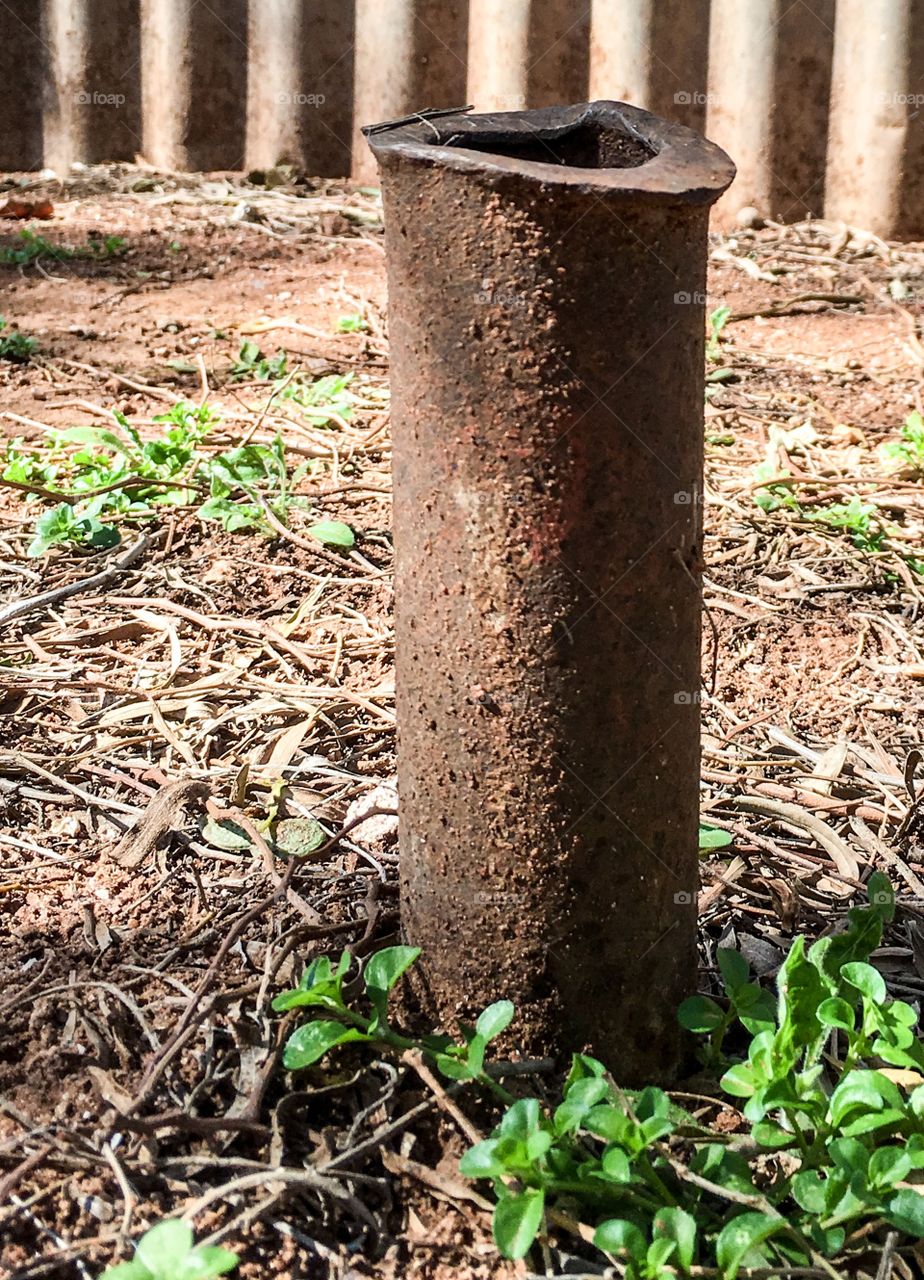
column 547, row 288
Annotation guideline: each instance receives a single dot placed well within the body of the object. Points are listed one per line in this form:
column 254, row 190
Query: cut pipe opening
column 586, row 145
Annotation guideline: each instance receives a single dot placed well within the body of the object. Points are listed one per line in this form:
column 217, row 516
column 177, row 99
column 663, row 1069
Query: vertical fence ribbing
column 189, row 84
column 410, row 54
column 869, row 119
column 652, row 54
column 742, row 57
column 92, row 88
column 620, row 51
column 275, row 83
column 498, row 54
column 300, row 85
column 22, row 55
column 194, row 83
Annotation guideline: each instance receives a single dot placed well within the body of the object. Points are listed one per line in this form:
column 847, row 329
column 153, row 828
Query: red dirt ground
column 115, row 692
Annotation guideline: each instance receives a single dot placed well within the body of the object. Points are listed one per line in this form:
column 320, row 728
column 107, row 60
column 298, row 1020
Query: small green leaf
column 905, row 1210
column 677, row 1225
column 866, row 979
column 615, row 1165
column 739, row 1240
column 621, row 1239
column 580, row 1097
column 225, row 834
column 383, row 971
column 481, row 1161
column 864, row 1091
column 772, row 1136
column 700, row 1014
column 495, row 1019
column 810, row 1191
column 165, row 1246
column 881, row 895
column 739, row 1080
column 206, row 1263
column 454, row 1068
column 298, row 837
column 133, row 1270
column 714, row 838
column 888, row 1165
column 835, row 1012
column 333, row 533
column 652, row 1102
column 517, row 1219
column 537, row 1144
column 310, row 1043
column 733, row 967
column 609, row 1123
column 521, row 1119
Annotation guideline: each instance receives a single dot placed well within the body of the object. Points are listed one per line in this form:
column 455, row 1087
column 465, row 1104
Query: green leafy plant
column 15, row 346
column 907, row 453
column 858, row 518
column 31, row 246
column 713, row 838
column 829, row 1071
column 718, row 319
column 320, row 400
column 861, row 520
column 65, row 524
column 252, row 363
column 167, row 1252
column 123, row 474
column 323, row 987
column 352, row 324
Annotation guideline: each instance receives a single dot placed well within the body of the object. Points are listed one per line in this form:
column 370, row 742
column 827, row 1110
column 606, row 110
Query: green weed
column 859, row 519
column 832, row 1163
column 15, row 346
column 907, row 453
column 252, row 363
column 352, row 324
column 33, row 246
column 718, row 319
column 166, row 1252
column 320, row 400
column 120, row 474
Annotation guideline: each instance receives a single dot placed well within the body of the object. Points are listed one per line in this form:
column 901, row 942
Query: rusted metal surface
column 546, row 283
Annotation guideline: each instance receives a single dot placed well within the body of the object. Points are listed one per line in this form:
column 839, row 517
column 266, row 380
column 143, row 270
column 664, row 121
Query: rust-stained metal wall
column 821, row 102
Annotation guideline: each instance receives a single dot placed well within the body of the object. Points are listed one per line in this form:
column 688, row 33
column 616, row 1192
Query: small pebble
column 749, row 218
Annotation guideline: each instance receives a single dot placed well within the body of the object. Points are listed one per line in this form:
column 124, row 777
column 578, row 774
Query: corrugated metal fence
column 819, row 101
